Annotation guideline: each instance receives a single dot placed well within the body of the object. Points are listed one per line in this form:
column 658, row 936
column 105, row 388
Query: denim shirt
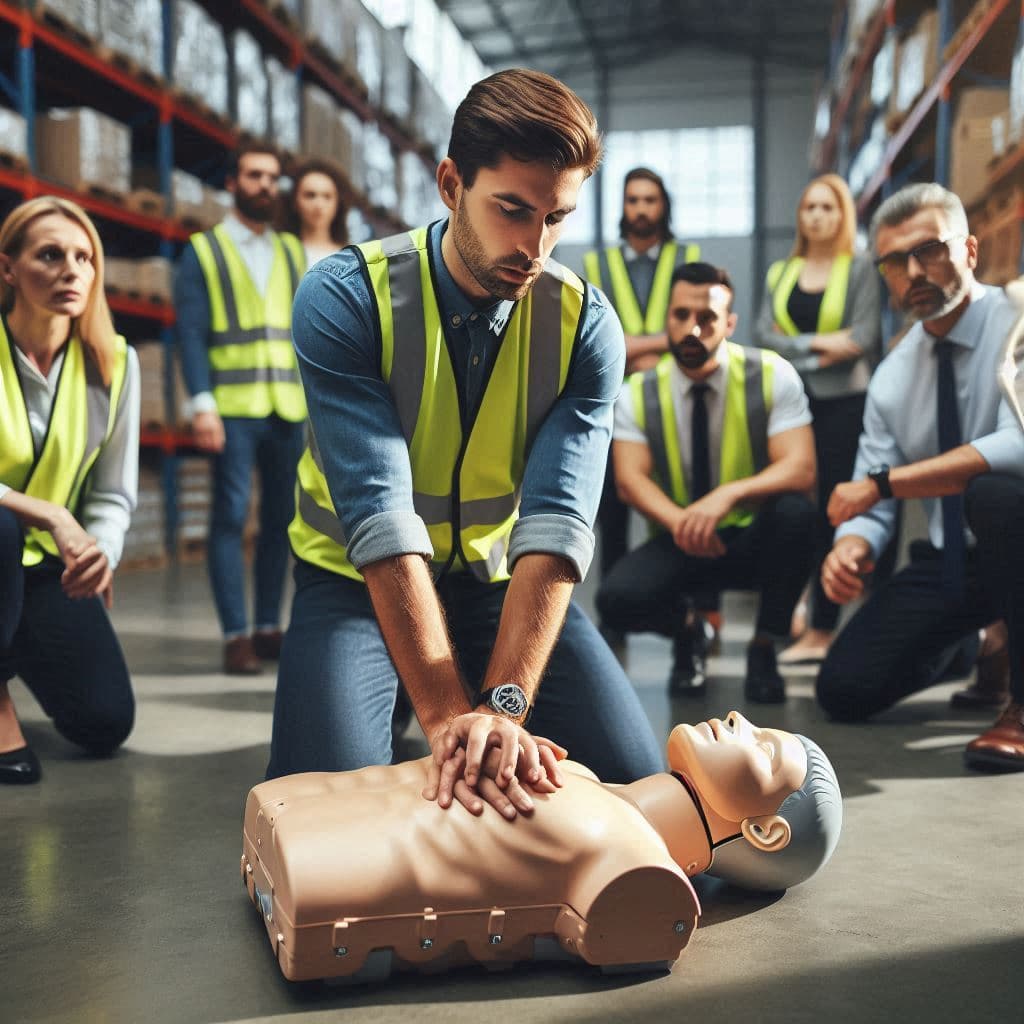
column 365, row 458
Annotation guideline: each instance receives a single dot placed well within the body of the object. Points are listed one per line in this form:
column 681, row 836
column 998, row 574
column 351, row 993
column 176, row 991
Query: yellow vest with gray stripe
column 781, row 280
column 607, row 270
column 81, row 419
column 748, row 402
column 466, row 473
column 252, row 361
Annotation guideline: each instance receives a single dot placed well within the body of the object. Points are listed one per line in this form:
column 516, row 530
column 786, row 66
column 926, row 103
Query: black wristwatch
column 880, row 475
column 509, row 700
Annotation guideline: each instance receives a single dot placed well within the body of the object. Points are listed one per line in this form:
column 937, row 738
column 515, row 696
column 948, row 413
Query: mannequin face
column 820, row 216
column 740, row 771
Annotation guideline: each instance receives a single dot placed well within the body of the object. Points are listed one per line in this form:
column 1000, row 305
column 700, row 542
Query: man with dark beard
column 937, row 428
column 461, row 388
column 233, row 297
column 715, row 446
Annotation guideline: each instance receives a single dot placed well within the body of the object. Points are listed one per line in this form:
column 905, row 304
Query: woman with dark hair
column 821, row 311
column 314, row 210
column 69, row 448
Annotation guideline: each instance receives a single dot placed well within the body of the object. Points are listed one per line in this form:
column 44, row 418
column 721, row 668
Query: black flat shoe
column 20, row 767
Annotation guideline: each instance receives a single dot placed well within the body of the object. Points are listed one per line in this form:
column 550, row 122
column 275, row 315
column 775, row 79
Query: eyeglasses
column 928, row 255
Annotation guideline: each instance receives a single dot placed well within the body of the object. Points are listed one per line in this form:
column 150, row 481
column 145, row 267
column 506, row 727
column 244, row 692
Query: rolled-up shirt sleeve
column 876, row 447
column 114, row 479
column 352, row 415
column 565, row 469
column 1003, row 449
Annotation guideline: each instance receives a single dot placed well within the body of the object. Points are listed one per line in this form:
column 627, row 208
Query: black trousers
column 650, row 588
column 613, row 522
column 888, row 649
column 65, row 651
column 837, row 427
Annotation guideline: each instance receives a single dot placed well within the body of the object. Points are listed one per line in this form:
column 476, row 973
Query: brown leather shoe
column 240, row 659
column 1002, row 747
column 266, row 644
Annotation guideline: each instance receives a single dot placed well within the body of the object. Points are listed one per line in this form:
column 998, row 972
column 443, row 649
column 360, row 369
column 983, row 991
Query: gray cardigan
column 862, row 314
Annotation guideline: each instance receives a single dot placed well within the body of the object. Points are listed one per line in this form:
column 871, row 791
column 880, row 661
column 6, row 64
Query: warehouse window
column 709, row 173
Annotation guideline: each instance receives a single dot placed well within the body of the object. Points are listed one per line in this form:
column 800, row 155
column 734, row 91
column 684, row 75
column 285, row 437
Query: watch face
column 510, row 700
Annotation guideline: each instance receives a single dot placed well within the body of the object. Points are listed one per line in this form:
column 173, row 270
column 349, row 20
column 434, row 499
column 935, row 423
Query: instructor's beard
column 689, row 353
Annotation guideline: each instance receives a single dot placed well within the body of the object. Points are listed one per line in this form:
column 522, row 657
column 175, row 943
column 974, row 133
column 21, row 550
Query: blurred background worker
column 636, row 276
column 821, row 311
column 314, row 210
column 233, row 298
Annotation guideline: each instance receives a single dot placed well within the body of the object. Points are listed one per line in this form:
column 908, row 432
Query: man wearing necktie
column 935, row 428
column 714, row 446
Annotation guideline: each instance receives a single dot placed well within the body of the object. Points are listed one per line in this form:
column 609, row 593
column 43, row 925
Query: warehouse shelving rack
column 964, row 31
column 169, row 131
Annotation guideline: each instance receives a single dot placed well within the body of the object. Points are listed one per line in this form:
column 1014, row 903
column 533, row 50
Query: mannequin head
column 770, row 798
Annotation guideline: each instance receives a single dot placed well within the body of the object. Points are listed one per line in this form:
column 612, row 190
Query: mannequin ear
column 767, row 832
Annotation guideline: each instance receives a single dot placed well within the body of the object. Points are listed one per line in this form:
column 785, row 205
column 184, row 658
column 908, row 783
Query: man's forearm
column 949, row 473
column 412, row 623
column 643, row 494
column 793, row 474
column 531, row 619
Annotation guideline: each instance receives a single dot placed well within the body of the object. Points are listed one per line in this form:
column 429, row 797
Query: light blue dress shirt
column 900, row 418
column 365, row 458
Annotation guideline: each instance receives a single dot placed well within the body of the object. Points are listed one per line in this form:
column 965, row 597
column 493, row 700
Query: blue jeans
column 65, row 651
column 275, row 446
column 336, row 683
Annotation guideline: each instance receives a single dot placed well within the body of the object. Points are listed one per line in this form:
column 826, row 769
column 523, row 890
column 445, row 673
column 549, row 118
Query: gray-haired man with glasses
column 936, row 427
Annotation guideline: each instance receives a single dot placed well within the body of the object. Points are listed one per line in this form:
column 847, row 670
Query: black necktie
column 701, row 453
column 953, row 546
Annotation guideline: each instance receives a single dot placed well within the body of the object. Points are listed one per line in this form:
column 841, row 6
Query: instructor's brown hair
column 528, row 116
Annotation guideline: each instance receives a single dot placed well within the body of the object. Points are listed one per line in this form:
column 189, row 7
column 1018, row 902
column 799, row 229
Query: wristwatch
column 509, row 700
column 880, row 475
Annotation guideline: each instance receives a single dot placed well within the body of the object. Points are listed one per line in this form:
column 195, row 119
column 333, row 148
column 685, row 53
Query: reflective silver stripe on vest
column 757, row 412
column 654, row 429
column 248, row 335
column 255, row 375
column 409, row 359
column 432, row 508
column 320, row 519
column 235, row 334
column 545, row 352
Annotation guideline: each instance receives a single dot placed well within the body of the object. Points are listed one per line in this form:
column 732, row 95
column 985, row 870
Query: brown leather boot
column 991, row 687
column 266, row 644
column 1002, row 747
column 240, row 659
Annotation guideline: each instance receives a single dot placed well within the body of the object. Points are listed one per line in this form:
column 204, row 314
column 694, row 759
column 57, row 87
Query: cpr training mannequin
column 355, row 872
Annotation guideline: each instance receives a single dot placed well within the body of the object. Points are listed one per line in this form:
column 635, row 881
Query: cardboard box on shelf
column 153, row 406
column 251, row 87
column 134, row 30
column 13, row 137
column 916, row 63
column 199, row 57
column 999, row 237
column 972, row 141
column 285, row 119
column 83, row 148
column 80, row 15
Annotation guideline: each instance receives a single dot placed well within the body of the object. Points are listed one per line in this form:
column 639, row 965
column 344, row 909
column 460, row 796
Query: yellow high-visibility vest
column 748, row 402
column 466, row 478
column 83, row 415
column 781, row 280
column 252, row 360
column 607, row 269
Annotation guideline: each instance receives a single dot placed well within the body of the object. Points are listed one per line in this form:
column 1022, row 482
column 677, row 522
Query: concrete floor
column 120, row 899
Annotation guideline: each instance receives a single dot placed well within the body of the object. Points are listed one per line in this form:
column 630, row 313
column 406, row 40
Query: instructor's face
column 505, row 226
